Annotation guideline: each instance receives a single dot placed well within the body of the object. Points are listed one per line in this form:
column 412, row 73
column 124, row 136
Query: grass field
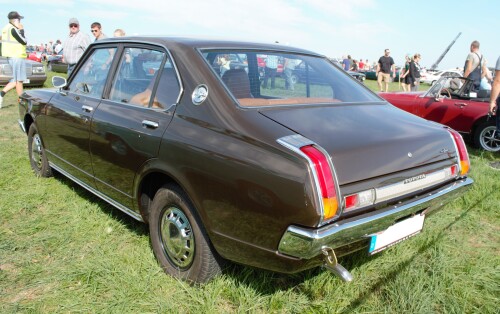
column 63, row 250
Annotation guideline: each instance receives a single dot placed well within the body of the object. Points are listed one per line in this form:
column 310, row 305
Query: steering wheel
column 445, row 92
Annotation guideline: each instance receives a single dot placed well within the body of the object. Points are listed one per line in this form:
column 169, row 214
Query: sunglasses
column 73, row 25
column 94, row 30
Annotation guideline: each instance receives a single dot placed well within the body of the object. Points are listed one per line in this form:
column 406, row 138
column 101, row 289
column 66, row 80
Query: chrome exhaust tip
column 332, row 265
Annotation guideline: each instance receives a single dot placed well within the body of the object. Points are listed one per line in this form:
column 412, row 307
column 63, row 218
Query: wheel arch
column 477, row 123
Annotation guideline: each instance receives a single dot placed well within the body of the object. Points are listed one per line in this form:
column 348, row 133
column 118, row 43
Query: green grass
column 64, row 250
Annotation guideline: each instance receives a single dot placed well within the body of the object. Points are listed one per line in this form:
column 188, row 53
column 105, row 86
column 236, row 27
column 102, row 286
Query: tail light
column 462, row 152
column 326, row 182
column 323, row 173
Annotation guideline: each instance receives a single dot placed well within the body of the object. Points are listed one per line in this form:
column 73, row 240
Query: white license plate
column 26, row 81
column 396, row 233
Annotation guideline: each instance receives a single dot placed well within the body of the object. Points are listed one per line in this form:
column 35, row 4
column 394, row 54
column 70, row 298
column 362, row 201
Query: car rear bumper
column 307, row 243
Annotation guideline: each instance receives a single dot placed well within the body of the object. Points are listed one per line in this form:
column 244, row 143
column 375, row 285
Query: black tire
column 36, row 151
column 185, row 251
column 484, row 137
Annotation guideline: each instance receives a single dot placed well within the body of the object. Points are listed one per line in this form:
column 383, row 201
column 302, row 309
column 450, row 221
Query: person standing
column 404, row 75
column 288, row 68
column 270, row 70
column 475, row 65
column 119, row 32
column 58, row 47
column 75, row 45
column 495, row 107
column 347, row 63
column 361, row 65
column 96, row 30
column 14, row 48
column 385, row 67
column 415, row 72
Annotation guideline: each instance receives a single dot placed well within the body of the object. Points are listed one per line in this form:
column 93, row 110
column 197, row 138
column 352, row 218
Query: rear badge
column 200, row 93
column 410, row 155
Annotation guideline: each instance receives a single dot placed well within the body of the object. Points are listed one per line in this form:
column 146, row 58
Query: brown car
column 285, row 178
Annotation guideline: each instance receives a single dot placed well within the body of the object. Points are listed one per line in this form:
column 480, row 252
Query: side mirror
column 438, row 99
column 58, row 81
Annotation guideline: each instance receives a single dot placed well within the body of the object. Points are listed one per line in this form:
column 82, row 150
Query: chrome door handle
column 460, row 104
column 87, row 108
column 150, row 124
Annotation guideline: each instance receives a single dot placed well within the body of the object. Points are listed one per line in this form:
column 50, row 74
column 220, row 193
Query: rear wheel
column 38, row 158
column 178, row 238
column 485, row 137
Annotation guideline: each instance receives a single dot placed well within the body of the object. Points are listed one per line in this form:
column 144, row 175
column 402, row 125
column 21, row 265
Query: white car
column 432, row 77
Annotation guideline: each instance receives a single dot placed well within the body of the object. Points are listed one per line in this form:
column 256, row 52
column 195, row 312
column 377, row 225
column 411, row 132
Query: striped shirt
column 74, row 46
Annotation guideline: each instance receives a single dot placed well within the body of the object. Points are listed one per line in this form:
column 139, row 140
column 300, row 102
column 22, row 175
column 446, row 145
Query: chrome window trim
column 294, row 143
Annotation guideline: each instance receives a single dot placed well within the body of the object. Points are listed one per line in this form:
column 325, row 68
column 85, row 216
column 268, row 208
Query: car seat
column 238, row 83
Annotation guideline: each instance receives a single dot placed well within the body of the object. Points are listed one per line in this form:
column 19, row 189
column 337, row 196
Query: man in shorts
column 14, row 48
column 385, row 67
column 495, row 107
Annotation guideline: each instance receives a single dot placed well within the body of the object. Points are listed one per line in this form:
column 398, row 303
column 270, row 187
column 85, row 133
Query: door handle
column 460, row 104
column 87, row 108
column 150, row 124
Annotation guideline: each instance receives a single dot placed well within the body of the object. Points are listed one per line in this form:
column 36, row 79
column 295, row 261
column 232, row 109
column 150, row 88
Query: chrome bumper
column 307, row 243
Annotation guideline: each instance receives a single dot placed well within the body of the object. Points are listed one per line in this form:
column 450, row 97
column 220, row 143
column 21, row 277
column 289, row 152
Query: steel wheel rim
column 488, row 140
column 36, row 151
column 177, row 237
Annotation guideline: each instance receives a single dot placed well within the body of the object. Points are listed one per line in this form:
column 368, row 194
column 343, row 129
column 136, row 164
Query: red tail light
column 462, row 152
column 325, row 178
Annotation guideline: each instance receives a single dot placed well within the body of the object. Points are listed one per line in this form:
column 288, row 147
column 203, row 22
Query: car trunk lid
column 368, row 140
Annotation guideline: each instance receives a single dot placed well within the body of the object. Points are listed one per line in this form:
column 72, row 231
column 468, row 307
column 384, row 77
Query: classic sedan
column 223, row 169
column 35, row 73
column 452, row 102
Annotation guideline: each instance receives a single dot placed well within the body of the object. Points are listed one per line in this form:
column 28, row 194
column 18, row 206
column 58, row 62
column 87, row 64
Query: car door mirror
column 438, row 98
column 58, row 81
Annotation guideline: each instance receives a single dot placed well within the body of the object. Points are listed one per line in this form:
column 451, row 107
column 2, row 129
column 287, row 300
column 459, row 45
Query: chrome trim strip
column 307, row 243
column 21, row 125
column 293, row 143
column 401, row 188
column 124, row 209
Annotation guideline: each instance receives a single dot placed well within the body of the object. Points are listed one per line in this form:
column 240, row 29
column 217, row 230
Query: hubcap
column 177, row 237
column 489, row 140
column 36, row 151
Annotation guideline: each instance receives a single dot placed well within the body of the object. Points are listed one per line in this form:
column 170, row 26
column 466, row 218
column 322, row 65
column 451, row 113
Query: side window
column 91, row 77
column 137, row 72
column 168, row 87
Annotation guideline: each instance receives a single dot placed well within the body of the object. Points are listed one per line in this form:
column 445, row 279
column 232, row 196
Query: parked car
column 223, row 169
column 432, row 77
column 37, row 56
column 55, row 64
column 35, row 73
column 360, row 76
column 372, row 75
column 452, row 102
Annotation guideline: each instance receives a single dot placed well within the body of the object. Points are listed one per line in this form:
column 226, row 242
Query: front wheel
column 36, row 151
column 178, row 238
column 485, row 137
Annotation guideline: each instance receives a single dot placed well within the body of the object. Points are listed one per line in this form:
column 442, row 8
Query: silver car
column 35, row 73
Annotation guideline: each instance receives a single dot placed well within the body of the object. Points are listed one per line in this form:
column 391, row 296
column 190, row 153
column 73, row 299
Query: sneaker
column 1, row 100
column 495, row 165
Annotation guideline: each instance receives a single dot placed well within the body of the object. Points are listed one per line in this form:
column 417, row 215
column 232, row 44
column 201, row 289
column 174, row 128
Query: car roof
column 206, row 43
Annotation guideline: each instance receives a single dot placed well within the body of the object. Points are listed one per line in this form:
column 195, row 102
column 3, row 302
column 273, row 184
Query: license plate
column 26, row 81
column 396, row 233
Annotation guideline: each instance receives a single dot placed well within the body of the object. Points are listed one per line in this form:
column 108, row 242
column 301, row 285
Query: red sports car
column 452, row 102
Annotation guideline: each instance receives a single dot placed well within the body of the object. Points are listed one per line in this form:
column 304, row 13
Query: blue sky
column 361, row 28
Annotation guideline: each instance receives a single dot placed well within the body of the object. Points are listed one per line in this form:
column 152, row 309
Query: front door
column 69, row 116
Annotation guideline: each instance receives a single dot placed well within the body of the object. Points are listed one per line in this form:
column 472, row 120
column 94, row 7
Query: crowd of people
column 14, row 46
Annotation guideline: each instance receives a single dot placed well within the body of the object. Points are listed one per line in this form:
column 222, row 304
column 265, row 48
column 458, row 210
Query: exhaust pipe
column 332, row 265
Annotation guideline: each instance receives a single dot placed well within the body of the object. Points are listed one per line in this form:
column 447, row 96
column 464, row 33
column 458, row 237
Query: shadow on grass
column 137, row 227
column 268, row 282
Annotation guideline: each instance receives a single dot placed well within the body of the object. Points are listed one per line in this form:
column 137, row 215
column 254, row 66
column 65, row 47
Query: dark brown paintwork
column 246, row 187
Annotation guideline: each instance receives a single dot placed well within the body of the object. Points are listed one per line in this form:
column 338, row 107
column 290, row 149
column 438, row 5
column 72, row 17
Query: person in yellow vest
column 14, row 48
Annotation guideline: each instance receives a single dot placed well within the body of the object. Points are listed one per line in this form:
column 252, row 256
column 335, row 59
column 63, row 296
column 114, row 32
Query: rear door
column 127, row 127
